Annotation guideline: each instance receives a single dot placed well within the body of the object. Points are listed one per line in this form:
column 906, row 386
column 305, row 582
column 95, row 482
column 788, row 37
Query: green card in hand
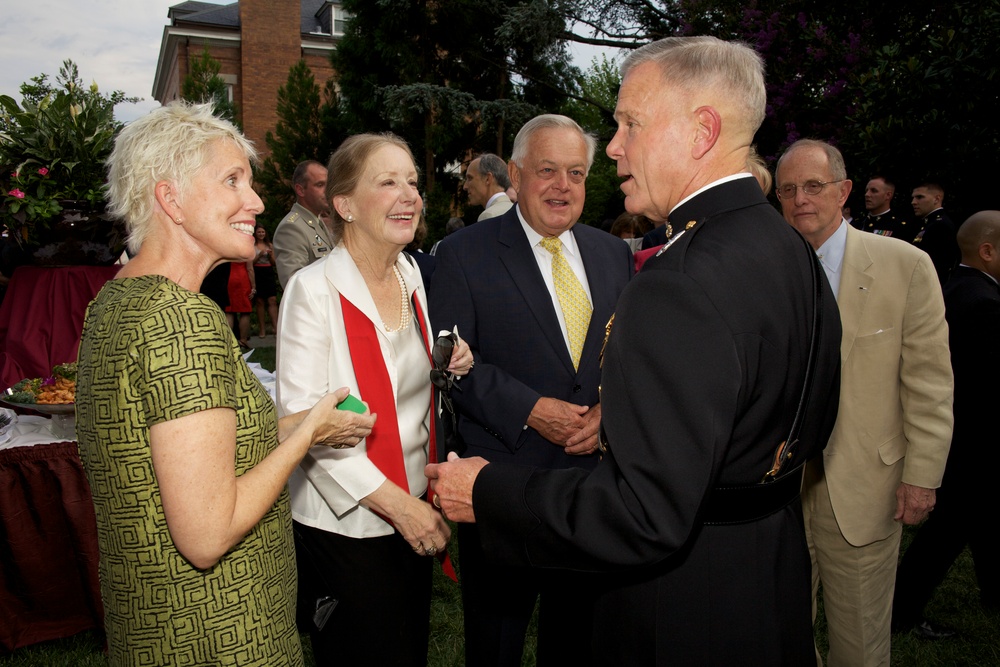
column 353, row 404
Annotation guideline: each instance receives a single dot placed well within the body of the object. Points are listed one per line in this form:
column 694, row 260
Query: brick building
column 256, row 42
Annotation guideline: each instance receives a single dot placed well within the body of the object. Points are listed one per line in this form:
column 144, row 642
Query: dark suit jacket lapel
column 603, row 295
column 519, row 260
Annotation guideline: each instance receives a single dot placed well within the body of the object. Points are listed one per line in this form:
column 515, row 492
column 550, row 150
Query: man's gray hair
column 693, row 63
column 838, row 170
column 547, row 121
column 171, row 143
column 495, row 167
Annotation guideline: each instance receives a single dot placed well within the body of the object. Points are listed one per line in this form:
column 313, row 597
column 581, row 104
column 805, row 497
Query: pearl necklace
column 404, row 305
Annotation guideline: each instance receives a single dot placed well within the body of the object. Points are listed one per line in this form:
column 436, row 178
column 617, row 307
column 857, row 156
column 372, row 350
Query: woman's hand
column 336, row 428
column 461, row 358
column 421, row 525
column 250, row 275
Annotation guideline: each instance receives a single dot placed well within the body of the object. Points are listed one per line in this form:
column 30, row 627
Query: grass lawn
column 956, row 604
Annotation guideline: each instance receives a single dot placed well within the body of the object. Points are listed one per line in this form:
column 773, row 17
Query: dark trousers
column 958, row 519
column 498, row 602
column 383, row 593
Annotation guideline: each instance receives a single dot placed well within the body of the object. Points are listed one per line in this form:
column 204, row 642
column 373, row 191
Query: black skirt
column 266, row 285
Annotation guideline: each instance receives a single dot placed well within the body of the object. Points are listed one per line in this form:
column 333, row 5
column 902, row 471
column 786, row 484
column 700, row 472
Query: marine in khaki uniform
column 302, row 237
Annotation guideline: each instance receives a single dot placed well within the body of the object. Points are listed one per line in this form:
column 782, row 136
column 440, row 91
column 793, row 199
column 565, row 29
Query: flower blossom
column 16, row 193
column 44, row 171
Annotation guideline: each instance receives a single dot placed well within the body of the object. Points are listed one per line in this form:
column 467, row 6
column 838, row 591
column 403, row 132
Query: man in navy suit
column 966, row 498
column 698, row 562
column 533, row 399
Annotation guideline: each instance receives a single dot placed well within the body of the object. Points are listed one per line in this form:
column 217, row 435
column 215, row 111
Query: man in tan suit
column 486, row 182
column 887, row 453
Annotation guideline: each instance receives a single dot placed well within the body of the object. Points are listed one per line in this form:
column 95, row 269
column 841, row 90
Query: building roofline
column 168, row 47
column 172, row 35
column 319, row 42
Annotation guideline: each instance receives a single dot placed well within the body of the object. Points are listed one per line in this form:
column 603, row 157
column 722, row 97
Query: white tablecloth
column 30, row 431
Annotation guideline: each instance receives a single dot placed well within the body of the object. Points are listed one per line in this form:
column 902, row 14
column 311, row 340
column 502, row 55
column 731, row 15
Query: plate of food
column 52, row 395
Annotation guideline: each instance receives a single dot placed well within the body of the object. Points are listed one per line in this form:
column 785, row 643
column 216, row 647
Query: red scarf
column 385, row 449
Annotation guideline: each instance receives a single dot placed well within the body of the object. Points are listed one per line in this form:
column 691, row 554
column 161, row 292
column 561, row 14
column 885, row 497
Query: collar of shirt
column 831, row 256
column 725, row 179
column 567, row 238
column 493, row 199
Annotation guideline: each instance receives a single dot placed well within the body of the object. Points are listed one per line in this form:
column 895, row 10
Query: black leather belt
column 751, row 502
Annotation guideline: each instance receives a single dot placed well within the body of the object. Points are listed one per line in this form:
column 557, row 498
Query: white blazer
column 313, row 359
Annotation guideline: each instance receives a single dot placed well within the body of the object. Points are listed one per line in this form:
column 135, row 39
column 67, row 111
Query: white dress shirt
column 831, row 256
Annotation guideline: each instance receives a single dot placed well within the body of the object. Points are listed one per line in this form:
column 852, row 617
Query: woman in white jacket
column 364, row 522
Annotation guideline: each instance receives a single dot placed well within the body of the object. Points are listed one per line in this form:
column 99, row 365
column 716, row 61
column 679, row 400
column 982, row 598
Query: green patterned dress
column 151, row 352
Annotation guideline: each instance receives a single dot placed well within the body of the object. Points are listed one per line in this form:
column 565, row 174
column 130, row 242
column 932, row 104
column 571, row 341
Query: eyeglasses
column 811, row 188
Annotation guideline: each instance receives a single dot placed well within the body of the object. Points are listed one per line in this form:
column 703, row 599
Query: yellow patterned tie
column 572, row 298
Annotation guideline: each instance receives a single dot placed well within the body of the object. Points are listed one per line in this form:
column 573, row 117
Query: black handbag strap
column 786, row 449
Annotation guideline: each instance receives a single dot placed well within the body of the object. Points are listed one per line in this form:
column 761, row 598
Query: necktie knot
column 552, row 244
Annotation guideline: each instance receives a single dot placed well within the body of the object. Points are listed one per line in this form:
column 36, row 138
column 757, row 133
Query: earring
column 350, row 218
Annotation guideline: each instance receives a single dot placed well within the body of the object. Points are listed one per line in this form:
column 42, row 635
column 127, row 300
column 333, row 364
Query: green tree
column 203, row 84
column 905, row 89
column 53, row 147
column 599, row 87
column 624, row 24
column 309, row 128
column 927, row 101
column 594, row 109
column 448, row 80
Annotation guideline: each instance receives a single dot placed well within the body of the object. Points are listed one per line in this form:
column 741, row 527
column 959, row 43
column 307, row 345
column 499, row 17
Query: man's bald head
column 979, row 240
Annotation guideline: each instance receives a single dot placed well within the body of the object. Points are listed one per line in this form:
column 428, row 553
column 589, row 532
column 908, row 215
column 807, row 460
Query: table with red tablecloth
column 49, row 586
column 41, row 317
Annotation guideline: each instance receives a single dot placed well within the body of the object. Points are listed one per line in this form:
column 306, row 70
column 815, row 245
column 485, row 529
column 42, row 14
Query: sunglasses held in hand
column 443, row 348
column 441, row 378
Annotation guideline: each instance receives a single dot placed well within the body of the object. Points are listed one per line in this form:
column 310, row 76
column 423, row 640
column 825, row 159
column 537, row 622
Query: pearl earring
column 350, row 218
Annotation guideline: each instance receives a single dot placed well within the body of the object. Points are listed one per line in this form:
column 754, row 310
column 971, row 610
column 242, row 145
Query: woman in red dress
column 242, row 288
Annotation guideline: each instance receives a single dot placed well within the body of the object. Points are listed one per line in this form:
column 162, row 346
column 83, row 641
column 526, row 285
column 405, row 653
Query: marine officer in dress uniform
column 879, row 218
